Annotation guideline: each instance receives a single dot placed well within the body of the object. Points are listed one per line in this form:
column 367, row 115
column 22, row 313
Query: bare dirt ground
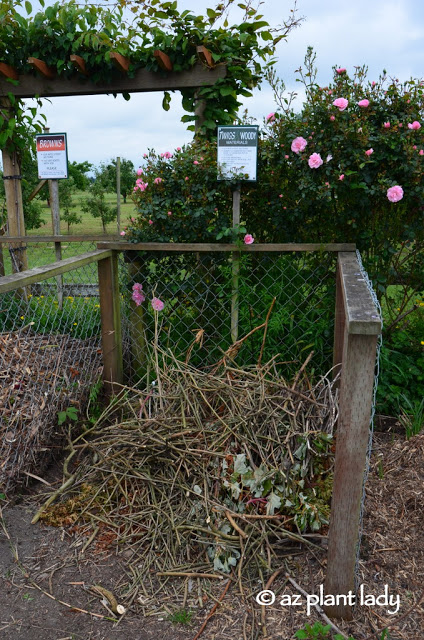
column 45, row 579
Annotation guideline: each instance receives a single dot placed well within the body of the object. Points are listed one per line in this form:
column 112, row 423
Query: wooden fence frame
column 357, row 326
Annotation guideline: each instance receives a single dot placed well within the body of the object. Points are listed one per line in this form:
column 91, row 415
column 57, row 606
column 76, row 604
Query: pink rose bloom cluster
column 140, row 185
column 137, row 294
column 157, row 304
column 298, row 144
column 248, row 239
column 368, row 152
column 270, row 117
column 364, row 103
column 414, row 125
column 315, row 161
column 341, row 103
column 166, row 155
column 394, row 194
column 386, row 125
column 340, row 70
column 157, row 180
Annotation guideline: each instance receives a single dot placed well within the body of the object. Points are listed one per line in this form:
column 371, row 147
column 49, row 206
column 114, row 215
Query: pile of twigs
column 40, row 375
column 202, row 471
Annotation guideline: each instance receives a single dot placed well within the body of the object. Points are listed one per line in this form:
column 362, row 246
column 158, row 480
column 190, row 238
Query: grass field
column 89, row 225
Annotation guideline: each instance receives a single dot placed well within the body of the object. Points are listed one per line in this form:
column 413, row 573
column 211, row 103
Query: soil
column 45, row 578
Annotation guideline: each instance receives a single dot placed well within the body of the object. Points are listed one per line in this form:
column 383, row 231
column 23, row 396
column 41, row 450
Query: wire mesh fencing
column 50, row 357
column 37, row 254
column 273, row 305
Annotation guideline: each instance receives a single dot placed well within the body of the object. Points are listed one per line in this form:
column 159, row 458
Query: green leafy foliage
column 95, row 204
column 318, row 631
column 70, row 413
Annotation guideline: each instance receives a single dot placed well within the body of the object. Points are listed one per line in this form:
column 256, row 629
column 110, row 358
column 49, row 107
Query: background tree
column 127, row 173
column 67, row 189
column 78, row 172
column 96, row 204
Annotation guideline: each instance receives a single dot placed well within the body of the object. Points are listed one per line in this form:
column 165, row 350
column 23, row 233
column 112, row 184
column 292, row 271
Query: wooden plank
column 356, row 389
column 25, row 278
column 111, row 323
column 43, row 68
column 362, row 316
column 211, row 247
column 164, row 61
column 205, row 55
column 121, row 62
column 37, row 189
column 339, row 324
column 8, row 71
column 143, row 80
column 79, row 64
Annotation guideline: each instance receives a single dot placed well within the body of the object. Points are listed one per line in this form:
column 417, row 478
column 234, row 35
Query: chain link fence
column 214, row 298
column 50, row 358
column 275, row 304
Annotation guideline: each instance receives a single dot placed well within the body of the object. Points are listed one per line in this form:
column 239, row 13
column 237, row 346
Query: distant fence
column 214, row 295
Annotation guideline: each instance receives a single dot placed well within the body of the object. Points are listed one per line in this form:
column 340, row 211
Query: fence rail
column 356, row 328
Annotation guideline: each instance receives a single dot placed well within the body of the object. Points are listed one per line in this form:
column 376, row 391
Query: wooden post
column 55, row 209
column 118, row 193
column 235, row 268
column 339, row 325
column 111, row 323
column 362, row 325
column 13, row 191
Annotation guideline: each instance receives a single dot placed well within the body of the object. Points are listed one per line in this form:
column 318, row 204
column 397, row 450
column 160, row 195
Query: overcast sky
column 379, row 33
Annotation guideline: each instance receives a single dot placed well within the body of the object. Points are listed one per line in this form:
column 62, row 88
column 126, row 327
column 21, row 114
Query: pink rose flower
column 298, row 144
column 186, row 178
column 340, row 103
column 157, row 304
column 394, row 194
column 122, row 233
column 414, row 125
column 150, row 221
column 139, row 171
column 341, row 176
column 270, row 117
column 248, row 239
column 364, row 103
column 137, row 294
column 132, row 219
column 368, row 152
column 167, row 155
column 144, row 155
column 340, row 70
column 157, row 180
column 421, row 152
column 332, row 118
column 400, row 125
column 315, row 161
column 169, row 213
column 195, row 162
column 281, row 195
column 386, row 125
column 286, row 157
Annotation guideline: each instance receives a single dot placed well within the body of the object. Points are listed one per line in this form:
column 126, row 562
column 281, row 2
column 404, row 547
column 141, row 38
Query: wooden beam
column 31, row 276
column 120, row 62
column 42, row 67
column 205, row 56
column 143, row 80
column 164, row 61
column 79, row 64
column 212, row 246
column 7, row 71
column 62, row 238
column 37, row 189
column 361, row 314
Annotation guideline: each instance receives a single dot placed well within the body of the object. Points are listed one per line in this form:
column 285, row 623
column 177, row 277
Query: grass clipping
column 206, row 470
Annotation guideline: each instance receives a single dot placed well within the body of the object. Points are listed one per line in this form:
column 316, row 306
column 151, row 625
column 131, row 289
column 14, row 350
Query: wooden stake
column 111, row 323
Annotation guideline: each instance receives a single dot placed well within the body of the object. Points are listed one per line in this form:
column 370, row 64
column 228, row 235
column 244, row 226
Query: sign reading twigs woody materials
column 52, row 156
column 238, row 152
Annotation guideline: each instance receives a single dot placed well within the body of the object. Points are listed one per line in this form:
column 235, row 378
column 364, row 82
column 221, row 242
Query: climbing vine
column 136, row 30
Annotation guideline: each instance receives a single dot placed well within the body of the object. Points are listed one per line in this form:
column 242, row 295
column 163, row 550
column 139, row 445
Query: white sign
column 238, row 152
column 52, row 156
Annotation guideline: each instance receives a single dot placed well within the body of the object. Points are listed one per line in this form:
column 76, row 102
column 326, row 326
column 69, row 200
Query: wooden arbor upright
column 44, row 82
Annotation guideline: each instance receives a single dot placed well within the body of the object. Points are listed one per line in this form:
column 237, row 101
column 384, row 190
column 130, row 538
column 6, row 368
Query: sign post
column 237, row 160
column 52, row 160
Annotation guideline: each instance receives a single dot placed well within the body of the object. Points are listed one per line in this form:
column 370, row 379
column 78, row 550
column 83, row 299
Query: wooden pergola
column 45, row 83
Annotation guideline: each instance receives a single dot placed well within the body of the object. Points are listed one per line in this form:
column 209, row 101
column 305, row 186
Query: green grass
column 89, row 225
